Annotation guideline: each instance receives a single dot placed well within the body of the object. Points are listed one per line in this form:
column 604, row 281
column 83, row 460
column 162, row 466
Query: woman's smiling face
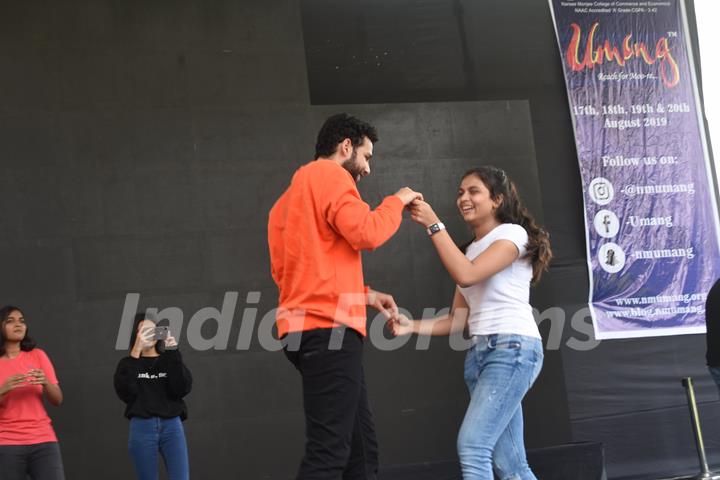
column 474, row 200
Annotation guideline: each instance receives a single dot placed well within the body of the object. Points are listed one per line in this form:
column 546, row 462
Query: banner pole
column 705, row 472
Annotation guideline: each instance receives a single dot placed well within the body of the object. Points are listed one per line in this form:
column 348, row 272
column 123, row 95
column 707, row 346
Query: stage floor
column 423, row 471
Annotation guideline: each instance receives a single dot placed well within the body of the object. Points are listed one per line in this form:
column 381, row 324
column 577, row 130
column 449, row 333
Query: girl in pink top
column 28, row 445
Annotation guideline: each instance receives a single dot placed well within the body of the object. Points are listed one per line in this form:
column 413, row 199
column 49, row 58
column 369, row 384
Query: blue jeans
column 164, row 436
column 499, row 370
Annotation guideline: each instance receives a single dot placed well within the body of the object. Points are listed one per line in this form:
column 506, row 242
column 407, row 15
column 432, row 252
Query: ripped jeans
column 499, row 370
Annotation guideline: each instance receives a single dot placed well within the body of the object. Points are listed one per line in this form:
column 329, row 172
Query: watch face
column 434, row 228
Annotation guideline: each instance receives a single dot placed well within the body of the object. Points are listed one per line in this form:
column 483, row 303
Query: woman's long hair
column 512, row 210
column 27, row 343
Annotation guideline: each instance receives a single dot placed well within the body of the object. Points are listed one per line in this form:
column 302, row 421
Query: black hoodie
column 153, row 386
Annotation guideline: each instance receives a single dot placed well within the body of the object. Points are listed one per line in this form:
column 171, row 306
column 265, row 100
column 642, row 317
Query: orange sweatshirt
column 316, row 231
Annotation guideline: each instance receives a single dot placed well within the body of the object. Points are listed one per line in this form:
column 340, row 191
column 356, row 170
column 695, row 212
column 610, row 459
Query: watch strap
column 435, row 228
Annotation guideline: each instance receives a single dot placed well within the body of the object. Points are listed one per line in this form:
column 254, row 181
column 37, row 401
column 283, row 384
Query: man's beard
column 351, row 166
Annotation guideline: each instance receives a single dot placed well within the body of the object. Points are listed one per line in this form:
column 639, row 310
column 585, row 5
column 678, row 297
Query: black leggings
column 40, row 461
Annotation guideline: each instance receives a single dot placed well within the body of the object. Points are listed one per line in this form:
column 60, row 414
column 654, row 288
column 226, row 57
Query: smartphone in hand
column 161, row 333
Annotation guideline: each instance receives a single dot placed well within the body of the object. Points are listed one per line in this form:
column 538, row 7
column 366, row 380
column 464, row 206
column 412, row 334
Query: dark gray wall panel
column 625, row 376
column 665, row 446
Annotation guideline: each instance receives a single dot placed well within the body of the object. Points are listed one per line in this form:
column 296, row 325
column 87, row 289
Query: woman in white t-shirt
column 494, row 274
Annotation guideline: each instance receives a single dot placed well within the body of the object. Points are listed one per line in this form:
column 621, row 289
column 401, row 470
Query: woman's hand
column 37, row 377
column 12, row 382
column 145, row 339
column 401, row 325
column 171, row 343
column 53, row 393
column 422, row 213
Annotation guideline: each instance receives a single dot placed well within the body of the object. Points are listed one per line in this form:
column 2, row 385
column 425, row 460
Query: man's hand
column 383, row 302
column 408, row 195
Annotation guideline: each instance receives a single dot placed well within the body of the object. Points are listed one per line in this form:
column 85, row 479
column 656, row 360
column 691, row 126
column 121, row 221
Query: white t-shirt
column 501, row 304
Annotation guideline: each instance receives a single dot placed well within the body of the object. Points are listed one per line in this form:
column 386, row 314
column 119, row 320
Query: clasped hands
column 398, row 323
column 422, row 213
column 420, row 210
column 34, row 376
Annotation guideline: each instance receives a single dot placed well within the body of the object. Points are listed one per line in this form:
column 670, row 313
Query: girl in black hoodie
column 152, row 381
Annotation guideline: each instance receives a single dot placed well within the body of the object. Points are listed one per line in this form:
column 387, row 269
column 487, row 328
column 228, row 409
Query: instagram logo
column 601, row 191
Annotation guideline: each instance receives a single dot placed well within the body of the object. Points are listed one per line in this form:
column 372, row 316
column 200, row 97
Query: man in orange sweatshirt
column 316, row 231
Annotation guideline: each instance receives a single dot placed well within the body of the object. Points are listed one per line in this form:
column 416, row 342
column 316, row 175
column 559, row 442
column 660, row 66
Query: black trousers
column 41, row 461
column 339, row 429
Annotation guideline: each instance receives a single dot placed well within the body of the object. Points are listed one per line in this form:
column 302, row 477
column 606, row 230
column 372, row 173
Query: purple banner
column 650, row 212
